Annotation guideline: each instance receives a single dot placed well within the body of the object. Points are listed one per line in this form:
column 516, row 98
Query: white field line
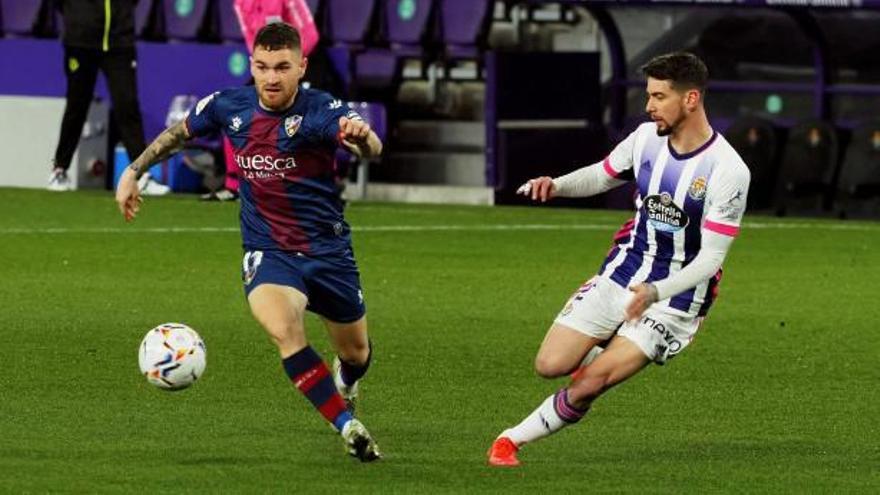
column 424, row 228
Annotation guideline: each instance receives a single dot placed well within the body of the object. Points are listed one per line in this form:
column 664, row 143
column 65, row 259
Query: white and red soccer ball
column 172, row 356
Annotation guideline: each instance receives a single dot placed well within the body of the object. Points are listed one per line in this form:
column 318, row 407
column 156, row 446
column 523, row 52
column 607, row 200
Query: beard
column 669, row 129
column 665, row 131
column 275, row 100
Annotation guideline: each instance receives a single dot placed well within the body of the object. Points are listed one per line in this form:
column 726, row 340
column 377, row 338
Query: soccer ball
column 172, row 356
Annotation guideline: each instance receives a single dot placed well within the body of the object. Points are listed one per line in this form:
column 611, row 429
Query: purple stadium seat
column 376, row 68
column 348, row 21
column 348, row 27
column 465, row 26
column 406, row 23
column 183, row 19
column 19, row 16
column 406, row 28
column 230, row 29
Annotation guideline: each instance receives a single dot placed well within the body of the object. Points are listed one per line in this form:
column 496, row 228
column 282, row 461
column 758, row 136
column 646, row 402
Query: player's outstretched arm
column 583, row 182
column 357, row 136
column 167, row 143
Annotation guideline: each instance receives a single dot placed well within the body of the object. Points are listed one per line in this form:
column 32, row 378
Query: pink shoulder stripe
column 721, row 228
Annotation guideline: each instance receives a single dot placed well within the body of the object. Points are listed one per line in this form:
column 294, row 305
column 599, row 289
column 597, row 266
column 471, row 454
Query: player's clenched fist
column 353, row 130
column 539, row 189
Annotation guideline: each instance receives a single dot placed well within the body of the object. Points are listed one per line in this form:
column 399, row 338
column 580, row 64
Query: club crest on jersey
column 235, row 123
column 664, row 214
column 697, row 191
column 291, row 124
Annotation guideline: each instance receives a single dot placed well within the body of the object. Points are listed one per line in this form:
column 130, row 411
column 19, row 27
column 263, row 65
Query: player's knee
column 355, row 353
column 550, row 367
column 285, row 334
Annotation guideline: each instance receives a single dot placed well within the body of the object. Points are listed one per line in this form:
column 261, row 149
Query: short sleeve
column 726, row 197
column 203, row 119
column 330, row 110
column 619, row 163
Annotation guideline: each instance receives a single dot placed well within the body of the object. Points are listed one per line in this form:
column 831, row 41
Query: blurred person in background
column 99, row 35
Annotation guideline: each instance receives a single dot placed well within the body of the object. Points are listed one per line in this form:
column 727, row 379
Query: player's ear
column 692, row 98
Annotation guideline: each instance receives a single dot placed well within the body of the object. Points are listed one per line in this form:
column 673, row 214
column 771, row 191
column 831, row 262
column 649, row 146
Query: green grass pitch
column 780, row 392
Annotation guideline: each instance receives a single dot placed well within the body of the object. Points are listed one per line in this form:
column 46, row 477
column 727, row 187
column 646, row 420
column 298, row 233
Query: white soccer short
column 596, row 309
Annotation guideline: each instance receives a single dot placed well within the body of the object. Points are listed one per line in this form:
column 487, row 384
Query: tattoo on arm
column 166, row 144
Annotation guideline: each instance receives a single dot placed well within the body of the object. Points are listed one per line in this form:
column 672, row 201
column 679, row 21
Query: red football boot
column 503, row 453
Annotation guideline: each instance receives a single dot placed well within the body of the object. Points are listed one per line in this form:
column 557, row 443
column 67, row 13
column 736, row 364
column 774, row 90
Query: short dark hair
column 278, row 36
column 684, row 70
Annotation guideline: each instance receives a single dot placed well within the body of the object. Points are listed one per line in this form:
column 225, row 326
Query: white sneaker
column 150, row 187
column 226, row 195
column 359, row 443
column 58, row 181
column 348, row 392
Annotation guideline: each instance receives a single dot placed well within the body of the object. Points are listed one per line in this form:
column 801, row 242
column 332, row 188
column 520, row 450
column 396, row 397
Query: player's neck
column 691, row 134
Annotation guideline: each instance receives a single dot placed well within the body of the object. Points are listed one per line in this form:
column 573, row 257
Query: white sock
column 545, row 420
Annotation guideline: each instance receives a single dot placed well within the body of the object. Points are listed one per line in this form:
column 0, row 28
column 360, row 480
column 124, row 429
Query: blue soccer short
column 331, row 282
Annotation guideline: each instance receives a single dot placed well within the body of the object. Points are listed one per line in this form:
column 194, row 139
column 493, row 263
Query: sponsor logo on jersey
column 664, row 214
column 235, row 123
column 335, row 104
column 291, row 124
column 671, row 343
column 697, row 191
column 267, row 163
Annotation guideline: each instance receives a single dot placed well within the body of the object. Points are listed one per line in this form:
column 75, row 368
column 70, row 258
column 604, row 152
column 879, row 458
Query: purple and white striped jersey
column 678, row 197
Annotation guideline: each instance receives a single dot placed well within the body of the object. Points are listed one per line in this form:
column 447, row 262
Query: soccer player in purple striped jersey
column 660, row 278
column 298, row 253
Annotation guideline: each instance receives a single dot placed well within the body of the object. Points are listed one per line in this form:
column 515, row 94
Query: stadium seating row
column 813, row 167
column 366, row 40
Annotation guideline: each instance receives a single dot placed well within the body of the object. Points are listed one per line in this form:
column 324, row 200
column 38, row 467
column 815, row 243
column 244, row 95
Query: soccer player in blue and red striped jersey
column 298, row 254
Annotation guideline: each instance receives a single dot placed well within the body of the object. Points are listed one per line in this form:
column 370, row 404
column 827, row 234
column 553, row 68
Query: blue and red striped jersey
column 289, row 199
